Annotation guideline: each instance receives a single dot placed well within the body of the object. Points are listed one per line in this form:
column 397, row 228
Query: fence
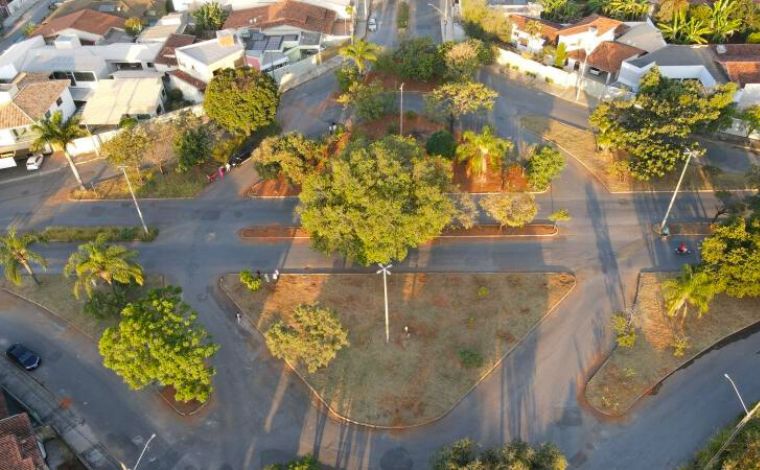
column 544, row 72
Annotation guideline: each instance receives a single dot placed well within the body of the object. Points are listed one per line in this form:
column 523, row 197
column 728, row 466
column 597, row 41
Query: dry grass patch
column 154, row 184
column 631, row 372
column 56, row 294
column 581, row 145
column 418, row 376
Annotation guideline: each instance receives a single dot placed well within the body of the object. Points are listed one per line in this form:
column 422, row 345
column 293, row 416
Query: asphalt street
column 260, row 413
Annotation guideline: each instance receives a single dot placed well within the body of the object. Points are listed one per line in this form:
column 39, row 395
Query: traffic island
column 663, row 344
column 447, row 332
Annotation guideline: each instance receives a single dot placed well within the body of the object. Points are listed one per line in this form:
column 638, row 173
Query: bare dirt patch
column 392, row 82
column 415, row 125
column 418, row 376
column 279, row 187
column 581, row 145
column 491, row 182
column 629, row 373
column 56, row 295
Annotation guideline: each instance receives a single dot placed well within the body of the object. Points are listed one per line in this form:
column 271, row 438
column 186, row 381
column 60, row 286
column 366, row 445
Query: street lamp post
column 385, row 270
column 664, row 223
column 145, row 447
column 445, row 17
column 746, row 411
column 401, row 111
column 134, row 199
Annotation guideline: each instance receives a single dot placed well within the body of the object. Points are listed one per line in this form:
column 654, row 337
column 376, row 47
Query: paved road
column 36, row 15
column 261, row 414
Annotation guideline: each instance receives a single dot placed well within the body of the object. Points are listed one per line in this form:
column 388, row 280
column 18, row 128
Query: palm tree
column 693, row 287
column 533, row 28
column 350, row 10
column 482, row 150
column 56, row 132
column 627, row 9
column 15, row 254
column 361, row 52
column 679, row 30
column 723, row 21
column 96, row 261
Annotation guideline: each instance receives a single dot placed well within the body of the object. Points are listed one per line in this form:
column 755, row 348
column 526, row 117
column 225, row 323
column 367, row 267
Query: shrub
column 193, row 147
column 249, row 280
column 544, row 165
column 753, row 38
column 175, row 94
column 70, row 234
column 560, row 215
column 482, row 291
column 441, row 143
column 470, row 359
column 548, row 80
column 307, row 462
column 313, row 337
column 515, row 455
column 624, row 332
column 291, row 155
column 680, row 345
column 510, row 209
column 531, row 74
column 419, row 59
column 347, row 75
column 560, row 55
column 402, row 15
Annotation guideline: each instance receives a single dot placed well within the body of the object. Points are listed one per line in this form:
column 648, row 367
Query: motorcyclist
column 682, row 248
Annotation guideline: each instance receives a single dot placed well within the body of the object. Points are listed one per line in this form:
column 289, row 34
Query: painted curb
column 331, row 412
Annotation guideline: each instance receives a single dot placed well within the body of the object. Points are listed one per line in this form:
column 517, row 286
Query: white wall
column 586, row 40
column 189, row 92
column 82, row 35
column 557, row 76
column 748, row 96
column 204, row 71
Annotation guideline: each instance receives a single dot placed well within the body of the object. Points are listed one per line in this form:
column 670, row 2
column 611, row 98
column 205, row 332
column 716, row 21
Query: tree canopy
column 127, row 148
column 510, row 209
column 158, row 340
column 731, row 256
column 655, row 128
column 98, row 261
column 467, row 455
column 291, row 155
column 454, row 100
column 544, row 164
column 241, row 100
column 59, row 133
column 362, row 53
column 482, row 151
column 419, row 59
column 376, row 201
column 210, row 16
column 15, row 254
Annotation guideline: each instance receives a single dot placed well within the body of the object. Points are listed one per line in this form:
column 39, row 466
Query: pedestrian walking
column 238, row 317
column 266, row 277
column 276, row 274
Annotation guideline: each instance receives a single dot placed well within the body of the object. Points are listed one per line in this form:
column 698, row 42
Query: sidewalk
column 47, row 409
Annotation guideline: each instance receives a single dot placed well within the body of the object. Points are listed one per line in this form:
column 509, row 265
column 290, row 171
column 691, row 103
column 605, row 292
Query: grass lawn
column 56, row 294
column 418, row 376
column 580, row 143
column 631, row 372
column 154, row 185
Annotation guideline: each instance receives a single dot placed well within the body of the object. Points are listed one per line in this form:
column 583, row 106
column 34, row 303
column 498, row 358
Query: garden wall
column 557, row 76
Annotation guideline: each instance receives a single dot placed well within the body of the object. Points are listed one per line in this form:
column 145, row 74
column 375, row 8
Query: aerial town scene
column 380, row 234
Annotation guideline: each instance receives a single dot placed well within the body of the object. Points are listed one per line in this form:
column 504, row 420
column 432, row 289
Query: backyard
column 447, row 331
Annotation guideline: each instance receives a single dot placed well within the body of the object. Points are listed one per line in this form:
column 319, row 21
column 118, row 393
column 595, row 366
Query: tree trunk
column 451, row 123
column 73, row 167
column 31, row 273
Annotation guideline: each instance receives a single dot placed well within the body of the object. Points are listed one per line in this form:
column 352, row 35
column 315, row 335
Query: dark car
column 24, row 357
column 243, row 152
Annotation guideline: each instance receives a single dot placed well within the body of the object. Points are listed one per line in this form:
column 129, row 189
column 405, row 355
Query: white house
column 90, row 26
column 166, row 59
column 527, row 40
column 171, row 24
column 113, row 100
column 25, row 101
column 202, row 59
column 589, row 32
column 680, row 62
column 337, row 6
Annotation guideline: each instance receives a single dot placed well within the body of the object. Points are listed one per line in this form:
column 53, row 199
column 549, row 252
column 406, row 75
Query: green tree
column 667, row 9
column 510, row 209
column 534, row 28
column 369, row 101
column 560, row 215
column 454, row 100
column 291, row 155
column 127, row 148
column 158, row 340
column 97, row 262
column 307, row 462
column 626, row 9
column 376, row 201
column 655, row 128
column 347, row 75
column 545, row 164
column 681, row 30
column 751, row 117
column 481, row 151
column 210, row 16
column 731, row 257
column 467, row 455
column 560, row 55
column 362, row 53
column 625, row 333
column 694, row 286
column 59, row 133
column 313, row 337
column 441, row 143
column 463, row 60
column 15, row 254
column 419, row 59
column 133, row 26
column 723, row 22
column 241, row 100
column 192, row 147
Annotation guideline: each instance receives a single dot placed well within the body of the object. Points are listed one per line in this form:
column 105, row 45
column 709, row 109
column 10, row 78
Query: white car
column 34, row 162
column 372, row 25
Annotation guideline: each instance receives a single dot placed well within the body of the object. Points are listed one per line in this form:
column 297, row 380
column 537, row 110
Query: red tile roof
column 86, row 20
column 18, row 445
column 166, row 55
column 291, row 13
column 549, row 30
column 609, row 55
column 740, row 61
column 601, row 23
column 189, row 79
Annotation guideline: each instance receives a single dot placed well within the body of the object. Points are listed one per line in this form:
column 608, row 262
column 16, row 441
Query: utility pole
column 401, row 112
column 664, row 225
column 137, row 206
column 385, row 270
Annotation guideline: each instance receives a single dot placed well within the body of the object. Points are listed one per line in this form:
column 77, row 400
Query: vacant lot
column 418, row 376
column 581, row 145
column 56, row 294
column 631, row 372
column 154, row 184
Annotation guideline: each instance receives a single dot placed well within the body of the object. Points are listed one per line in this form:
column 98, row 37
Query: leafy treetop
column 242, row 100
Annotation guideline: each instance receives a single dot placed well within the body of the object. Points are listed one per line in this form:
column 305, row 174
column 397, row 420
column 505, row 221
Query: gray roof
column 678, row 55
column 209, row 52
column 309, row 38
column 643, row 36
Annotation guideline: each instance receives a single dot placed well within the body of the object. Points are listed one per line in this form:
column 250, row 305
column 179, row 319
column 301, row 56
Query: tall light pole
column 385, row 270
column 145, row 447
column 746, row 411
column 445, row 17
column 401, row 112
column 134, row 199
column 663, row 226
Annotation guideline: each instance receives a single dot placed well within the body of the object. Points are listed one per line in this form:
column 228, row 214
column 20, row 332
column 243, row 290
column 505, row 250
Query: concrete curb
column 334, row 414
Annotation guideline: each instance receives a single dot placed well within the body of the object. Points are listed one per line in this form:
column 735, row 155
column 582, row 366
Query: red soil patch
column 272, row 231
column 181, row 407
column 273, row 188
column 491, row 182
column 417, row 126
column 392, row 82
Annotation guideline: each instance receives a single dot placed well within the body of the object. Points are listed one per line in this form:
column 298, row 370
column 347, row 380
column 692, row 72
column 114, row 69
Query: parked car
column 34, row 162
column 243, row 152
column 372, row 25
column 23, row 357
